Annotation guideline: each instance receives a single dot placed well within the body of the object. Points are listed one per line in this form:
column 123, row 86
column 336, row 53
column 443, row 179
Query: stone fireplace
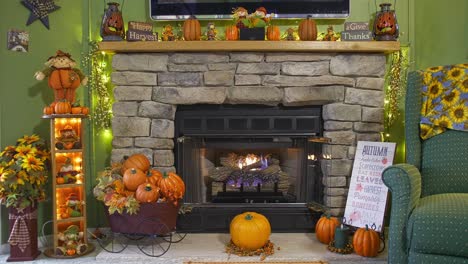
column 347, row 87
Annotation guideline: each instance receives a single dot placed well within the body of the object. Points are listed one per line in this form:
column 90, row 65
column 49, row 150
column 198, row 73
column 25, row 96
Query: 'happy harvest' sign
column 367, row 194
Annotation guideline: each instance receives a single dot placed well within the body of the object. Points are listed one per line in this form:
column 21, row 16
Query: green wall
column 22, row 97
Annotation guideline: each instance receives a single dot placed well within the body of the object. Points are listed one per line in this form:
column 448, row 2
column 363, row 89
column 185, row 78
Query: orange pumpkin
column 48, row 110
column 232, row 33
column 386, row 23
column 84, row 110
column 137, row 161
column 273, row 33
column 152, row 176
column 192, row 29
column 325, row 228
column 60, row 180
column 147, row 193
column 366, row 242
column 307, row 29
column 132, row 178
column 250, row 230
column 71, row 251
column 171, row 187
column 76, row 110
column 62, row 107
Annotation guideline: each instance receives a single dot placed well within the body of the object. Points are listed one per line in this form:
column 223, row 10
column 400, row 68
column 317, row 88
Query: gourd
column 84, row 110
column 171, row 187
column 76, row 110
column 147, row 193
column 192, row 29
column 132, row 178
column 232, row 33
column 250, row 230
column 137, row 161
column 366, row 242
column 62, row 107
column 307, row 29
column 273, row 33
column 325, row 228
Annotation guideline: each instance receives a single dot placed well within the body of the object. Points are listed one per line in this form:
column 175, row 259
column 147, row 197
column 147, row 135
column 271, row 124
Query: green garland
column 396, row 88
column 96, row 62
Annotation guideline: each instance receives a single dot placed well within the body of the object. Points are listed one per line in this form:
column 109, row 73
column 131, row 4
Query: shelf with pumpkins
column 67, row 154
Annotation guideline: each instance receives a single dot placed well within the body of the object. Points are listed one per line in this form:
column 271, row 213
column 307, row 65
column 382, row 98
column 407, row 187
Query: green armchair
column 429, row 214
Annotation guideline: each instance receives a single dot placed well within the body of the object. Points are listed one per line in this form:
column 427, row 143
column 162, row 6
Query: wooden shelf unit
column 59, row 125
column 248, row 45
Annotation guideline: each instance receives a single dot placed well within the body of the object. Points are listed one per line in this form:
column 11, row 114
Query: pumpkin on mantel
column 191, row 28
column 232, row 33
column 273, row 33
column 308, row 29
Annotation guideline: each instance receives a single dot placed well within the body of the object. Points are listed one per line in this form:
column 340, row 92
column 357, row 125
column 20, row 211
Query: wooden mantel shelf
column 260, row 46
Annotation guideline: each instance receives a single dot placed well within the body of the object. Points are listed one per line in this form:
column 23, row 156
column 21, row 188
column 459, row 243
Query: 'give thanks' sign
column 367, row 194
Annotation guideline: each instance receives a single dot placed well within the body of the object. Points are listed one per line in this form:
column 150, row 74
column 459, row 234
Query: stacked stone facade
column 149, row 86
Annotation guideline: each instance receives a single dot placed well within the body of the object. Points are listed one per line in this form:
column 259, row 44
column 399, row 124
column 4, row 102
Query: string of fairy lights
column 99, row 86
column 396, row 87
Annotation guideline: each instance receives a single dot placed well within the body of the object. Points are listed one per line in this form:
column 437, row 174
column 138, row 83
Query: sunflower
column 435, row 69
column 451, row 99
column 24, row 150
column 435, row 89
column 32, row 163
column 444, row 121
column 459, row 113
column 463, row 85
column 424, row 130
column 455, row 74
column 462, row 65
column 28, row 139
column 427, row 77
column 8, row 151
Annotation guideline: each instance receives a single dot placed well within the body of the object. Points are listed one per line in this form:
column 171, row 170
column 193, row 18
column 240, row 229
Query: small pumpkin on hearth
column 273, row 33
column 250, row 230
column 307, row 29
column 147, row 193
column 366, row 242
column 325, row 228
column 232, row 33
column 133, row 178
column 137, row 161
column 191, row 28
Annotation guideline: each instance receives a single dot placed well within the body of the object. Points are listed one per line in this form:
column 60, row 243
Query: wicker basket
column 152, row 219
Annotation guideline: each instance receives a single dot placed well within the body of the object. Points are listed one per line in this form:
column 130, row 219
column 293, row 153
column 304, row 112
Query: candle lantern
column 112, row 26
column 385, row 24
column 341, row 236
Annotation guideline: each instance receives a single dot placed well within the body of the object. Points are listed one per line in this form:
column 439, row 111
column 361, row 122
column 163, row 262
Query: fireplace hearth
column 237, row 158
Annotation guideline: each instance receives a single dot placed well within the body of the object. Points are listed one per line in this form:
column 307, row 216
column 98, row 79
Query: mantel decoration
column 40, row 9
column 23, row 175
column 385, row 23
column 112, row 26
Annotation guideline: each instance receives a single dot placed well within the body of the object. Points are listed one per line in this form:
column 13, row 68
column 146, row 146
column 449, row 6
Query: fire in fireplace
column 247, row 157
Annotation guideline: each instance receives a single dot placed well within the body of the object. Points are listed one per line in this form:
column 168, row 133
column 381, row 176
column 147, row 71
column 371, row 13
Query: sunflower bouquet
column 23, row 172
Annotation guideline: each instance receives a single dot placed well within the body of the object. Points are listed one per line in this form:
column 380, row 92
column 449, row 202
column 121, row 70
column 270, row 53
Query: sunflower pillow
column 444, row 99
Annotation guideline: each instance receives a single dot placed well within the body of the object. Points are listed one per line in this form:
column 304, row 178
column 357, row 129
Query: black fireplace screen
column 249, row 154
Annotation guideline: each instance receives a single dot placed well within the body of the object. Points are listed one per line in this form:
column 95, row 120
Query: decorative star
column 40, row 9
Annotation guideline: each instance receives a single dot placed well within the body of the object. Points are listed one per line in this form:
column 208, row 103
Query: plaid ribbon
column 41, row 7
column 20, row 233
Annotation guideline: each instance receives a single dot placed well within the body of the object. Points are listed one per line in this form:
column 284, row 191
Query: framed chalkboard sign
column 367, row 195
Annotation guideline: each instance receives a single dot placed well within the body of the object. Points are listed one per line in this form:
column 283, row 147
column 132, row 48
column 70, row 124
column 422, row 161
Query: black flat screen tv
column 220, row 9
